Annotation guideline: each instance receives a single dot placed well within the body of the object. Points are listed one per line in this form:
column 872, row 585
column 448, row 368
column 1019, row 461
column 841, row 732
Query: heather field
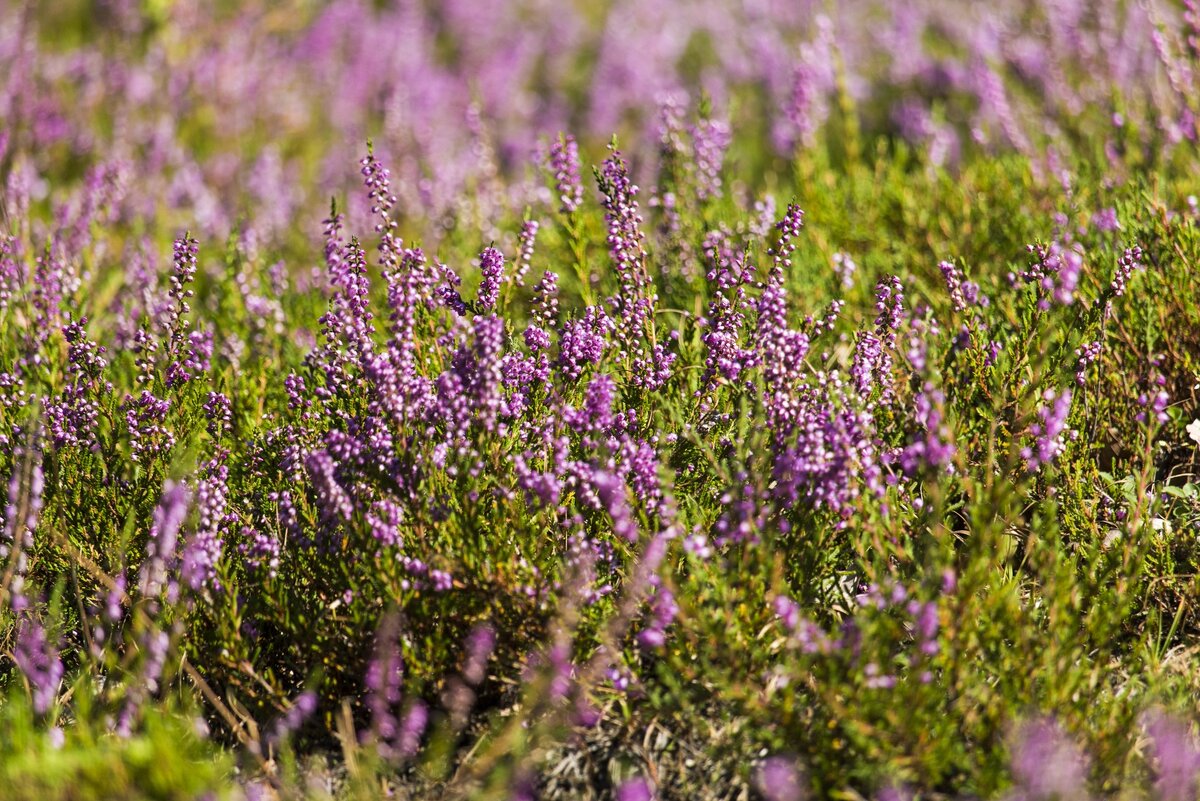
column 762, row 400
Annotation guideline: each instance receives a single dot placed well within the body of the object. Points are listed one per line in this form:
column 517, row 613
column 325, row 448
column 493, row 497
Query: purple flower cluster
column 183, row 352
column 844, row 268
column 156, row 576
column 527, row 240
column 725, row 324
column 890, row 628
column 1087, row 355
column 146, row 418
column 202, row 552
column 824, row 449
column 710, row 140
column 1130, row 260
column 625, row 239
column 931, row 447
column 218, row 410
column 301, row 709
column 1055, row 272
column 396, row 736
column 781, row 349
column 1177, row 772
column 402, row 463
column 779, row 780
column 1050, row 432
column 781, row 254
column 1046, row 764
column 38, row 660
column 963, row 294
column 491, row 265
column 564, row 167
column 261, row 551
column 584, row 341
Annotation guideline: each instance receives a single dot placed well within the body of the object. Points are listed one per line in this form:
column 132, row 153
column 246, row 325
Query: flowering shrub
column 847, row 452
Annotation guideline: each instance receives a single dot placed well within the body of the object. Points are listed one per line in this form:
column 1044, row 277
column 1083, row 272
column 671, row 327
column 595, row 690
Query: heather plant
column 833, row 437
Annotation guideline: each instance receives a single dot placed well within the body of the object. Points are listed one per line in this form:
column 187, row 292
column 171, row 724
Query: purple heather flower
column 827, row 320
column 169, row 515
column 778, row 780
column 12, row 270
column 1130, row 260
column 527, row 240
column 893, row 792
column 85, row 359
column 155, row 646
column 522, row 375
column 441, row 581
column 782, row 350
column 805, row 102
column 377, row 179
column 583, row 342
column 545, row 309
column 710, row 140
column 412, row 728
column 926, row 621
column 72, row 417
column 788, row 612
column 724, row 326
column 182, row 276
column 447, row 292
column 788, row 229
column 564, row 166
column 824, row 451
column 37, row 659
column 536, row 339
column 114, row 599
column 1087, row 355
column 261, row 550
column 867, row 368
column 663, row 611
column 1158, row 401
column 698, row 546
column 385, row 518
column 954, row 283
column 931, row 447
column 636, row 789
column 1106, row 220
column 652, row 371
column 596, row 415
column 219, row 413
column 889, row 302
column 478, row 649
column 146, row 418
column 612, row 494
column 1047, row 765
column 1176, row 758
column 638, row 460
column 384, row 679
column 626, row 245
column 1056, row 273
column 1068, row 278
column 300, row 710
column 286, row 513
column 491, row 264
column 471, row 390
column 198, row 562
column 844, row 268
column 346, row 327
column 332, row 499
column 1049, row 432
